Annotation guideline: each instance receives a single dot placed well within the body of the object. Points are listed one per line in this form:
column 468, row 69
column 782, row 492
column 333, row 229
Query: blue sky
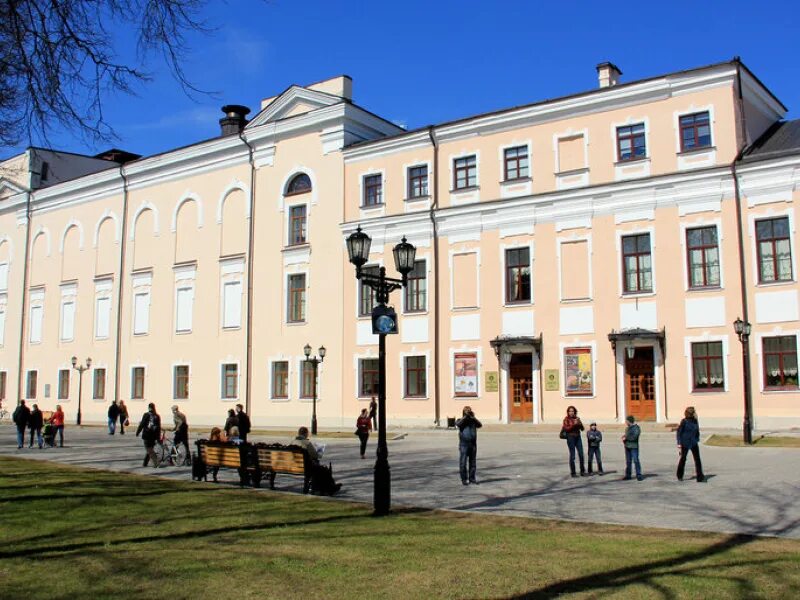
column 418, row 63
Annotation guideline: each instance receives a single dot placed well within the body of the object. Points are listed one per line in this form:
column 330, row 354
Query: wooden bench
column 271, row 459
column 223, row 455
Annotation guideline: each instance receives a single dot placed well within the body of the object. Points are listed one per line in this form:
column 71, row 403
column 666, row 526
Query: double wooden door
column 640, row 384
column 521, row 387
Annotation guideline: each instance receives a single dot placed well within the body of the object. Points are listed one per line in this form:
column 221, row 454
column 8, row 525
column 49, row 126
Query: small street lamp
column 315, row 362
column 384, row 322
column 742, row 329
column 80, row 369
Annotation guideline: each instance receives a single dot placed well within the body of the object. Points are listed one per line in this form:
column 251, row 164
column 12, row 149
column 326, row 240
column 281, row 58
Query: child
column 593, row 439
column 631, row 442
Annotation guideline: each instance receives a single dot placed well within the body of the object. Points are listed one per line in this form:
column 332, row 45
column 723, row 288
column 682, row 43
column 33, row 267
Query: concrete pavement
column 749, row 490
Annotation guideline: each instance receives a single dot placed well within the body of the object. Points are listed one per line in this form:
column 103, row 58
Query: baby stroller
column 49, row 434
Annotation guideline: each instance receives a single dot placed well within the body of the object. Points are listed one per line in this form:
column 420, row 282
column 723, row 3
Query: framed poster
column 465, row 369
column 578, row 375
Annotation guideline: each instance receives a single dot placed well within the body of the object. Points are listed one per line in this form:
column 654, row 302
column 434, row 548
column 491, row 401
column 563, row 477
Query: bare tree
column 59, row 60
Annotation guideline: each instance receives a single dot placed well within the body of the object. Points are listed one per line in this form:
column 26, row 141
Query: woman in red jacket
column 57, row 421
column 572, row 426
column 363, row 427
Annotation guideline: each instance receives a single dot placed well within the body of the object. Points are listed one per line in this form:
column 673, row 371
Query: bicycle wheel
column 178, row 455
column 161, row 453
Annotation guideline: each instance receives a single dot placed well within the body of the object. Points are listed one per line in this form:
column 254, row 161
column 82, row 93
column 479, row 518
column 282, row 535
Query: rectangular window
column 280, row 379
column 3, row 382
column 63, row 384
column 2, row 325
column 780, row 362
column 141, row 313
column 232, row 305
column 416, row 290
column 631, row 143
column 67, row 321
column 99, row 387
column 465, row 280
column 571, row 153
column 184, row 307
column 518, row 275
column 416, row 377
column 30, row 388
column 296, row 300
column 368, row 377
column 695, row 131
column 366, row 295
column 102, row 318
column 465, row 172
column 637, row 263
column 373, row 190
column 307, row 383
column 180, row 382
column 137, row 383
column 774, row 250
column 297, row 225
column 578, row 376
column 701, row 243
column 37, row 316
column 465, row 371
column 230, row 381
column 707, row 371
column 575, row 276
column 515, row 163
column 3, row 277
column 418, row 181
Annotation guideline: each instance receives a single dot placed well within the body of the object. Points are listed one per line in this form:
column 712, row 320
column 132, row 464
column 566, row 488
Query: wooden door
column 521, row 388
column 640, row 385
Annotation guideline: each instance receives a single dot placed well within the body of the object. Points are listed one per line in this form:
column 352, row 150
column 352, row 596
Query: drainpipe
column 121, row 284
column 436, row 333
column 25, row 276
column 250, row 245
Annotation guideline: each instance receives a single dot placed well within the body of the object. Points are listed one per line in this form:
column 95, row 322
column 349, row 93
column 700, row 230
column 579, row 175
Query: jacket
column 363, row 425
column 468, row 427
column 231, row 422
column 113, row 411
column 688, row 433
column 632, row 433
column 149, row 426
column 572, row 425
column 21, row 416
column 179, row 419
column 594, row 438
column 57, row 419
column 308, row 446
column 36, row 420
column 244, row 423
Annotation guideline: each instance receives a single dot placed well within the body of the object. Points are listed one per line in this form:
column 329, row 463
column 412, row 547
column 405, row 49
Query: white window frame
column 320, row 370
column 102, row 292
column 692, row 109
column 451, row 184
column 772, row 214
column 775, row 332
column 305, row 320
column 414, row 165
column 36, row 307
column 504, row 272
column 501, row 156
column 686, row 225
column 188, row 365
column 142, row 287
column 687, row 350
column 452, row 254
column 288, row 223
column 222, row 397
column 144, row 381
column 566, row 240
column 271, row 377
column 185, row 276
column 424, row 311
column 403, row 380
column 620, row 233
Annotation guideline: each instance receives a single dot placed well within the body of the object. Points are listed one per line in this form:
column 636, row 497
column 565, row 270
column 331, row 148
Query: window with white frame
column 465, row 172
column 367, row 377
column 31, row 384
column 774, row 250
column 416, row 291
column 708, row 374
column 518, row 275
column 184, row 307
column 230, row 381
column 415, row 376
column 2, row 322
column 637, row 263
column 280, row 379
column 232, row 305
column 297, row 224
column 417, row 182
column 142, row 283
column 366, row 294
column 63, row 384
column 137, row 383
column 308, row 382
column 180, row 382
column 37, row 321
column 780, row 362
column 702, row 250
column 102, row 311
column 67, row 320
column 373, row 190
column 3, row 276
column 515, row 163
column 99, row 384
column 631, row 142
column 296, row 298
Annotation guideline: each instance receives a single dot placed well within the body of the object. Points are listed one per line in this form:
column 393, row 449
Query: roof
column 780, row 139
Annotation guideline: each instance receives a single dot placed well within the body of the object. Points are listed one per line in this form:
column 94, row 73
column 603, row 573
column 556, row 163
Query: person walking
column 243, row 422
column 631, row 441
column 57, row 421
column 572, row 427
column 181, row 431
column 689, row 439
column 35, row 423
column 113, row 415
column 123, row 417
column 363, row 427
column 373, row 412
column 593, row 438
column 231, row 421
column 468, row 427
column 150, row 428
column 21, row 416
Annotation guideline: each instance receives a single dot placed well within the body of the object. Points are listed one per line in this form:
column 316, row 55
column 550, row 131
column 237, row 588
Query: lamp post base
column 78, row 420
column 748, row 432
column 314, row 426
column 383, row 486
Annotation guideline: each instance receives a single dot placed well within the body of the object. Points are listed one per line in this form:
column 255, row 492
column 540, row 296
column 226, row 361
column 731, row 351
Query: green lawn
column 731, row 441
column 70, row 533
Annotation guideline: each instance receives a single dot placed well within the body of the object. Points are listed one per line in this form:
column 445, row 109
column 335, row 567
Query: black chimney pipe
column 234, row 120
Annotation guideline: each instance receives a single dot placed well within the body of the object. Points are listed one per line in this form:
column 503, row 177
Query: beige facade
column 554, row 240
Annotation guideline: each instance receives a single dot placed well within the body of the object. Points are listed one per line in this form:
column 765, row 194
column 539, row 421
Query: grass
column 72, row 533
column 731, row 441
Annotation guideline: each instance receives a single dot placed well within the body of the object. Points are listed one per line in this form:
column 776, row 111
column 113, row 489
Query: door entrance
column 520, row 383
column 640, row 384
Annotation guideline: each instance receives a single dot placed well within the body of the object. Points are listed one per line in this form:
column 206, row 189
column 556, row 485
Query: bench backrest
column 288, row 460
column 219, row 454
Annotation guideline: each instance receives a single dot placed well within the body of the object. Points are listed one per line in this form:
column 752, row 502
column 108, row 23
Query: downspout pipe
column 435, row 241
column 248, row 370
column 121, row 284
column 25, row 277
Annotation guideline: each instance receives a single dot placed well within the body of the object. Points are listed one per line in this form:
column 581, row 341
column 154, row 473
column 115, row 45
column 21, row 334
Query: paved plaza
column 521, row 473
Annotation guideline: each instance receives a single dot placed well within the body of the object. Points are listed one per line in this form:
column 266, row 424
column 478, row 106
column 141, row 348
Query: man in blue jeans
column 21, row 417
column 631, row 441
column 468, row 444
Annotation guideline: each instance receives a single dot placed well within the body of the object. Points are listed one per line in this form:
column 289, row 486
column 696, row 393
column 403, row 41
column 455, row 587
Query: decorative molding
column 145, row 205
column 70, row 224
column 107, row 214
column 188, row 196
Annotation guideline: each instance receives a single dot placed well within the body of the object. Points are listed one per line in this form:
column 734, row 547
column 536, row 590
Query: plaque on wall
column 551, row 380
column 492, row 381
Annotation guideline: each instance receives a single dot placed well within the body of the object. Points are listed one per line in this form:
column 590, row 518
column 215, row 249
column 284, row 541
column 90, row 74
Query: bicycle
column 167, row 452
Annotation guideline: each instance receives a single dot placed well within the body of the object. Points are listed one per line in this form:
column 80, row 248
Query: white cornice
column 284, row 103
column 378, row 148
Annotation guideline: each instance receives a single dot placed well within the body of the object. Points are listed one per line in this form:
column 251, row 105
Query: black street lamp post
column 383, row 323
column 742, row 329
column 80, row 369
column 315, row 362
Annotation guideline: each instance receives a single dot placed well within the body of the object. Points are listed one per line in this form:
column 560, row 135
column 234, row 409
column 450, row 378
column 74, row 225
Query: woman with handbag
column 123, row 417
column 363, row 427
column 571, row 431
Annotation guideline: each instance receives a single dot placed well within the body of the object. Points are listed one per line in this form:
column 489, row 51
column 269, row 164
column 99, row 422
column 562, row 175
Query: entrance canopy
column 637, row 333
column 502, row 341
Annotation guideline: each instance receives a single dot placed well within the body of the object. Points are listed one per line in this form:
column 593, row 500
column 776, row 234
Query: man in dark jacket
column 468, row 444
column 150, row 428
column 244, row 422
column 35, row 423
column 21, row 417
column 113, row 415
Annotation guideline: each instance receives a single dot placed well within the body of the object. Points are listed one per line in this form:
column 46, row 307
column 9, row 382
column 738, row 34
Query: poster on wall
column 466, row 374
column 578, row 377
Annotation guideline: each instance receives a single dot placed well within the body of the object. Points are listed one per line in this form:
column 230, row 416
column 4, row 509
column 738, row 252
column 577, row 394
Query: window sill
column 464, row 308
column 187, row 332
column 572, row 172
column 705, row 288
column 290, row 247
column 769, row 284
column 632, row 161
column 515, row 180
column 229, row 399
column 416, row 398
column 417, row 198
column 300, row 193
column 575, row 300
column 696, row 150
column 279, row 399
column 648, row 294
column 145, row 334
column 236, row 328
column 309, row 399
column 372, row 206
column 704, row 392
column 464, row 190
column 295, row 323
column 518, row 304
column 415, row 313
column 781, row 390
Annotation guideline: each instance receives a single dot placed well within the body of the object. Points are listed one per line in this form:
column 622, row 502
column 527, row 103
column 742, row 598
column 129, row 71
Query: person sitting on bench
column 322, row 481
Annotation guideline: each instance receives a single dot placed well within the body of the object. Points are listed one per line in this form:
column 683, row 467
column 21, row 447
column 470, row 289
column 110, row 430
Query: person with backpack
column 35, row 423
column 150, row 428
column 244, row 422
column 468, row 427
column 21, row 416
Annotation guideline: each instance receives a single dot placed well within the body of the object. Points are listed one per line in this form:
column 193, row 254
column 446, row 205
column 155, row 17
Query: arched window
column 300, row 184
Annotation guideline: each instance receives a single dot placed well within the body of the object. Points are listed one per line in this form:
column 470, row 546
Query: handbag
column 562, row 434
